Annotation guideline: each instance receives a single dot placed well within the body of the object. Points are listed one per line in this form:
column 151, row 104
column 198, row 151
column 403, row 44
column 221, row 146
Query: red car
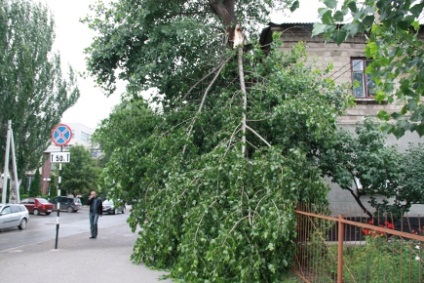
column 37, row 205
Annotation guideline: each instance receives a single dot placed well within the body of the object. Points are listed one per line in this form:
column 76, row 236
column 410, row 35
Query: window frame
column 365, row 78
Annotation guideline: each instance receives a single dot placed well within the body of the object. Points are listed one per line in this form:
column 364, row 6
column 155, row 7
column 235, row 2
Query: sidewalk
column 78, row 259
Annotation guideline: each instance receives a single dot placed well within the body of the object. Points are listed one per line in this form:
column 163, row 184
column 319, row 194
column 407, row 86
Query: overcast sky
column 71, row 39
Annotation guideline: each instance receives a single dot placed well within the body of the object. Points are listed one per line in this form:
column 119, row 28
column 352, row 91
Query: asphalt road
column 78, row 259
column 42, row 228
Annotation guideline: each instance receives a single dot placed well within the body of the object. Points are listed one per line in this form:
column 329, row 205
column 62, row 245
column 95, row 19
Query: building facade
column 349, row 64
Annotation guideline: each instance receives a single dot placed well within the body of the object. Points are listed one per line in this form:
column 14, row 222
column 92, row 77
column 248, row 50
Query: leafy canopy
column 80, row 175
column 130, row 44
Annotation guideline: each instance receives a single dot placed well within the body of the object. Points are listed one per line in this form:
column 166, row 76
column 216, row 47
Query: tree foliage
column 35, row 187
column 395, row 46
column 209, row 210
column 392, row 179
column 80, row 175
column 33, row 91
column 412, row 177
column 131, row 44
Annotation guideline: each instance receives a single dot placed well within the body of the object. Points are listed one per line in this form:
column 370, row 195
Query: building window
column 363, row 86
column 85, row 137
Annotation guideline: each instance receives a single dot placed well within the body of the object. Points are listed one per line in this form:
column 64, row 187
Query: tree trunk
column 224, row 9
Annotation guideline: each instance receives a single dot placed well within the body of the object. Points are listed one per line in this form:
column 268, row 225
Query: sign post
column 61, row 136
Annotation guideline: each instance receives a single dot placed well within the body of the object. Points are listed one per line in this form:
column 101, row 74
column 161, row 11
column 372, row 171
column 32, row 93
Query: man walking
column 96, row 209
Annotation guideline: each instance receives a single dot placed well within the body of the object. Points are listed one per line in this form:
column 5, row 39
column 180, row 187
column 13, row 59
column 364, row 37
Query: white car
column 109, row 208
column 13, row 215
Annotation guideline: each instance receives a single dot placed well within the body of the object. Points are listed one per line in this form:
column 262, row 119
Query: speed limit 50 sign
column 60, row 157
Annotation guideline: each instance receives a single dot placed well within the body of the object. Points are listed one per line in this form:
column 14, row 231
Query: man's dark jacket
column 99, row 207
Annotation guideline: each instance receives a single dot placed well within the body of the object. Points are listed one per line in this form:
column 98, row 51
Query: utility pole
column 14, row 190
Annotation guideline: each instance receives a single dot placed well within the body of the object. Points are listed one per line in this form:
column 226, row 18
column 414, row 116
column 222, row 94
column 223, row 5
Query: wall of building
column 322, row 54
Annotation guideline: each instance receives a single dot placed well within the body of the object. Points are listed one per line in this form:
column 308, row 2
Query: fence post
column 340, row 250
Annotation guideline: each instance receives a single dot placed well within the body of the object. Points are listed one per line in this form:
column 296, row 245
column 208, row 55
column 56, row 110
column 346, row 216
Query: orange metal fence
column 350, row 249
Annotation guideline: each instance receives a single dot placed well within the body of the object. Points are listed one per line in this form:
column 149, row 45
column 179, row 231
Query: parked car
column 13, row 215
column 68, row 204
column 109, row 207
column 37, row 205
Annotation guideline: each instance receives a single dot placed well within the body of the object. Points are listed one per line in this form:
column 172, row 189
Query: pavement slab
column 78, row 259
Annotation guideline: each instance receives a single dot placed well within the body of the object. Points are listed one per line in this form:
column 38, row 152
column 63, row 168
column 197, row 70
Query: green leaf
column 332, row 4
column 404, row 24
column 327, row 18
column 417, row 9
column 371, row 49
column 416, row 25
column 340, row 36
column 319, row 29
column 294, row 6
column 380, row 96
column 383, row 115
column 352, row 6
column 338, row 16
column 322, row 11
column 420, row 129
column 351, row 28
column 368, row 20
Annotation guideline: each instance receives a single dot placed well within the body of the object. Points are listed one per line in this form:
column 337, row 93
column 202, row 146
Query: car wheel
column 70, row 209
column 115, row 211
column 23, row 224
column 36, row 212
column 123, row 210
column 47, row 213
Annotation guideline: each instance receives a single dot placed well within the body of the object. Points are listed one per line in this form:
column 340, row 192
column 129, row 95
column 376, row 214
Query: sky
column 72, row 37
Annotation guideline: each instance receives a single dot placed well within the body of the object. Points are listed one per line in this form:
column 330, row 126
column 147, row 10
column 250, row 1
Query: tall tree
column 33, row 92
column 218, row 169
column 80, row 175
column 395, row 46
column 35, row 187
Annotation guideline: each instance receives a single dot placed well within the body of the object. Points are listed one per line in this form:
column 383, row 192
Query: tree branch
column 359, row 202
column 231, row 138
column 206, row 76
column 244, row 95
column 258, row 135
column 203, row 102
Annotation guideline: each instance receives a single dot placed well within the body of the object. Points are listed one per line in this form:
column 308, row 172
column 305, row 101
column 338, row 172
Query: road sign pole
column 59, row 181
column 61, row 135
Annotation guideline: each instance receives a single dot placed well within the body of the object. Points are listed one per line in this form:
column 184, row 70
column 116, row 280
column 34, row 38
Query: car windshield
column 1, row 206
column 42, row 200
column 108, row 202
